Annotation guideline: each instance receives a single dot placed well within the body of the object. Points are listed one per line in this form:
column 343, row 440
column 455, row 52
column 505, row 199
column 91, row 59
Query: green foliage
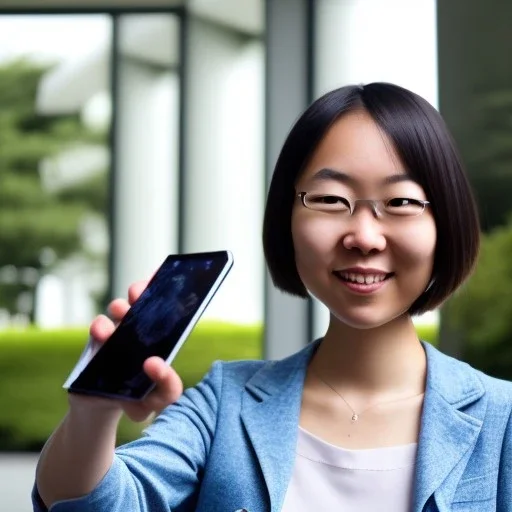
column 35, row 363
column 31, row 218
column 482, row 310
column 19, row 82
column 91, row 193
column 17, row 233
column 427, row 333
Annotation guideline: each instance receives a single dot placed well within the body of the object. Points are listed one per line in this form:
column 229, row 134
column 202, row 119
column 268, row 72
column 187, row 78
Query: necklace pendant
column 355, row 417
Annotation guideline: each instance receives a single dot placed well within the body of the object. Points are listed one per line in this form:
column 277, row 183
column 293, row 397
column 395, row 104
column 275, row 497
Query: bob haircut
column 425, row 147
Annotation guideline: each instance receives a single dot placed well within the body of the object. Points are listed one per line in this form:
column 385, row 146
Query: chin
column 369, row 319
column 366, row 313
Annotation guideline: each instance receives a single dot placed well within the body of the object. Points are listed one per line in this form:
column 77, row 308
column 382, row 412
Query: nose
column 364, row 231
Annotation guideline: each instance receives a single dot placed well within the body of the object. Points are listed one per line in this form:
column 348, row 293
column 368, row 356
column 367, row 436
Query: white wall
column 224, row 163
column 361, row 41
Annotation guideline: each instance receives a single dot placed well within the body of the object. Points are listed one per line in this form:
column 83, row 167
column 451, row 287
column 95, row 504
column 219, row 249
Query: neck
column 386, row 360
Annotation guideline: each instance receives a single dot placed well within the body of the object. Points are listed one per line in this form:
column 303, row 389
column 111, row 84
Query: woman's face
column 367, row 268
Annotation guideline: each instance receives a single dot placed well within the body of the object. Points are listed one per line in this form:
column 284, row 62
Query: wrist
column 92, row 410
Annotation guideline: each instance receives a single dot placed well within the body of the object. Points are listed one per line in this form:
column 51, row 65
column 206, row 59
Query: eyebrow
column 327, row 174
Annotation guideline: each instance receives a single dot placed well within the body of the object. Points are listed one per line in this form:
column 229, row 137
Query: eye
column 404, row 206
column 327, row 202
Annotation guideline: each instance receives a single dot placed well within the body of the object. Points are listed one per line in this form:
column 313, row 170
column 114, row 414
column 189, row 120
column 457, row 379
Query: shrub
column 427, row 333
column 482, row 310
column 35, row 363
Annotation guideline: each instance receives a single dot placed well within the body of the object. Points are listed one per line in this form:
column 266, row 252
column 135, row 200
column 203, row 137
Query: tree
column 34, row 220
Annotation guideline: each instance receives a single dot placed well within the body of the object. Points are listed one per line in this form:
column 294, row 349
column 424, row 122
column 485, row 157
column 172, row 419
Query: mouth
column 360, row 278
column 363, row 282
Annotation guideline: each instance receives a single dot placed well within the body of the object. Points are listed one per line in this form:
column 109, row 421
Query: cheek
column 313, row 240
column 417, row 244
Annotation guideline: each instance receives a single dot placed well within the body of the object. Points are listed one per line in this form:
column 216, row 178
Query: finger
column 168, row 389
column 101, row 328
column 117, row 309
column 169, row 386
column 137, row 411
column 135, row 290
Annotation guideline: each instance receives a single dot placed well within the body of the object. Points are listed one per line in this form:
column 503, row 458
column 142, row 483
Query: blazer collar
column 453, row 412
column 271, row 410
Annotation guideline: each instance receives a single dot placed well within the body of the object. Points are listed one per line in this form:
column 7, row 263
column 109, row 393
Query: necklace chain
column 355, row 415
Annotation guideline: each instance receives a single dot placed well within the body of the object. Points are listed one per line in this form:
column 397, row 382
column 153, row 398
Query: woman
column 369, row 210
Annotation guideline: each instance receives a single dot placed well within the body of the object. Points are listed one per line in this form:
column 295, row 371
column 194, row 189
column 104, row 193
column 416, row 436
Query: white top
column 329, row 478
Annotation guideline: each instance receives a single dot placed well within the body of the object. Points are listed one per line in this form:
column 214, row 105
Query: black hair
column 425, row 147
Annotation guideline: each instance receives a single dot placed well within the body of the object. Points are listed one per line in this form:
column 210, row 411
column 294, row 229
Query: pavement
column 16, row 479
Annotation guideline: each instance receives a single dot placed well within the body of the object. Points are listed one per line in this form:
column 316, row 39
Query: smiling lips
column 362, row 280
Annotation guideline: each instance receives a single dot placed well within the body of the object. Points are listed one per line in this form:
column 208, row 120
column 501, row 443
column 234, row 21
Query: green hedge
column 481, row 312
column 427, row 333
column 34, row 364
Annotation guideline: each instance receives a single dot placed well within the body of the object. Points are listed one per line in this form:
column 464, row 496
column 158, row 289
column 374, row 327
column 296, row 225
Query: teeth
column 363, row 279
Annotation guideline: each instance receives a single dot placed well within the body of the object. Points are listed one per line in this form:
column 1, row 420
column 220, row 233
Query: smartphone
column 157, row 324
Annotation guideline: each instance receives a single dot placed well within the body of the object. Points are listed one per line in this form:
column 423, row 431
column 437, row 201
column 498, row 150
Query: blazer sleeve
column 504, row 495
column 163, row 469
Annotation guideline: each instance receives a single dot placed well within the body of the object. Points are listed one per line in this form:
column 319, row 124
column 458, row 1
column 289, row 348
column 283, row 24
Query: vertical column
column 361, row 41
column 223, row 186
column 287, row 95
column 145, row 187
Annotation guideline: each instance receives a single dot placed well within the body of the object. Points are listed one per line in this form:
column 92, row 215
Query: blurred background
column 130, row 130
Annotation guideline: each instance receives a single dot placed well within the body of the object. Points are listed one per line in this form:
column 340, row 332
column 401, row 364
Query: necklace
column 356, row 415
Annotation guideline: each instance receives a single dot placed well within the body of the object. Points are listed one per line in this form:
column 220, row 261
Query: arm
column 160, row 471
column 78, row 454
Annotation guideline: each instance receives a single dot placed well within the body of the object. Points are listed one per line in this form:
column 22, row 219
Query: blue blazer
column 229, row 444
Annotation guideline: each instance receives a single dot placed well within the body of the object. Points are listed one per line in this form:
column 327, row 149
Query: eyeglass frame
column 374, row 203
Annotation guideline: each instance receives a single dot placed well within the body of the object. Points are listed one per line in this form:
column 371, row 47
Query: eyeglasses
column 395, row 206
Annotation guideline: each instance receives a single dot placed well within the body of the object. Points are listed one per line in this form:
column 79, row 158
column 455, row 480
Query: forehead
column 356, row 146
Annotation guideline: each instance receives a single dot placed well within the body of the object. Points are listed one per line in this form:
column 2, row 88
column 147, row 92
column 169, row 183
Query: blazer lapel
column 448, row 435
column 452, row 418
column 270, row 413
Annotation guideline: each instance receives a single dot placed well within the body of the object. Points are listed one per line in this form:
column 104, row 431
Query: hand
column 169, row 386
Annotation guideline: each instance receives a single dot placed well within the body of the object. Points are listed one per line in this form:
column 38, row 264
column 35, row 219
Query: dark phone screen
column 153, row 325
